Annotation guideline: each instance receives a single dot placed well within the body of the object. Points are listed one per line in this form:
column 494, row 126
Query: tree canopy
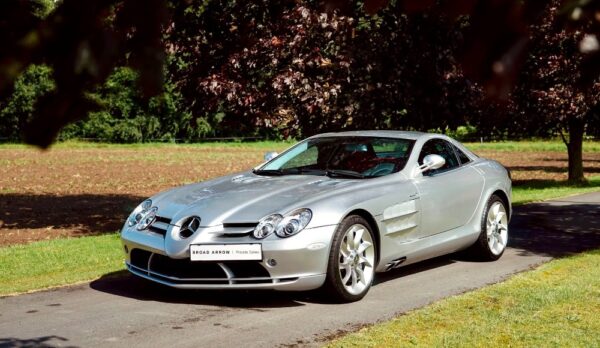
column 297, row 67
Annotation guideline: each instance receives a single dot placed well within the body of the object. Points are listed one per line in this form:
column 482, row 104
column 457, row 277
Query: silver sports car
column 329, row 212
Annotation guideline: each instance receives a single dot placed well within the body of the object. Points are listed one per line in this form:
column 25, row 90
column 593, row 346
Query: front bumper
column 300, row 261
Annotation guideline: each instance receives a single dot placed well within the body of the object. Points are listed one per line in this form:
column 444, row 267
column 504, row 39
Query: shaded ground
column 558, row 227
column 74, row 192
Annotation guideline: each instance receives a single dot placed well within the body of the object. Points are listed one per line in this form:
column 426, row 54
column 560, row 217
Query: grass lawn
column 556, row 305
column 58, row 262
column 548, row 189
column 530, row 146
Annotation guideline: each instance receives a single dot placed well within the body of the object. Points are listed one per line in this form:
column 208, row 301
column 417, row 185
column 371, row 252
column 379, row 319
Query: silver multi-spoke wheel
column 493, row 238
column 356, row 259
column 352, row 260
column 497, row 228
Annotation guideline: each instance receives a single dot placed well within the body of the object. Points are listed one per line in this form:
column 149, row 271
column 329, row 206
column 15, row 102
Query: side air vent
column 395, row 263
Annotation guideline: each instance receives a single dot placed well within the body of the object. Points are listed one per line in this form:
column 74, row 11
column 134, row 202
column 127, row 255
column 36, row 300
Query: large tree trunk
column 575, row 149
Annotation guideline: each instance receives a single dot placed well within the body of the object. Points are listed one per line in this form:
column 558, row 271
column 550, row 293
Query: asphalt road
column 127, row 312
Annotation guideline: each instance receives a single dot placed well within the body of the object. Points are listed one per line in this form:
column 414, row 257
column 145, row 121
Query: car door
column 448, row 195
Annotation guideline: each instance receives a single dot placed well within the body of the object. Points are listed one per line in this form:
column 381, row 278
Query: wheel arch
column 374, row 227
column 504, row 197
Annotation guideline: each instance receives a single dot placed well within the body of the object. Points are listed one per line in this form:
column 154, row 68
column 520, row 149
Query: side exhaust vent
column 395, row 263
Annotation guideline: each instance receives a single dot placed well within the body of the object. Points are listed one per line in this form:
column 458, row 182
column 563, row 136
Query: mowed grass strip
column 530, row 146
column 556, row 305
column 266, row 145
column 58, row 262
column 277, row 145
column 549, row 189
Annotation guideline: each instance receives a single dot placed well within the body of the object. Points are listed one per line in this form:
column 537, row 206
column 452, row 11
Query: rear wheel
column 351, row 266
column 494, row 231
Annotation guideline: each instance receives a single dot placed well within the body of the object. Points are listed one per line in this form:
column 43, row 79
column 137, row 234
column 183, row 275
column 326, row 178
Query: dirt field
column 85, row 191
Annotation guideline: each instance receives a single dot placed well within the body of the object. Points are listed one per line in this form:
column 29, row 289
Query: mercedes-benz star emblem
column 189, row 226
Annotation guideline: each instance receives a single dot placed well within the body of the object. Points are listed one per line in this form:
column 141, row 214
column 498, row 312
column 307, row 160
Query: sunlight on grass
column 46, row 264
column 534, row 191
column 73, row 144
column 525, row 145
column 530, row 146
column 555, row 305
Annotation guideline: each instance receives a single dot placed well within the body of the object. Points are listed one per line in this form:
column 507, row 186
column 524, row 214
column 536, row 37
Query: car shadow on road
column 124, row 284
column 37, row 342
column 555, row 229
column 127, row 285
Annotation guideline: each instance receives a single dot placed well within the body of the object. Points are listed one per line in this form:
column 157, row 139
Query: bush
column 126, row 117
column 18, row 109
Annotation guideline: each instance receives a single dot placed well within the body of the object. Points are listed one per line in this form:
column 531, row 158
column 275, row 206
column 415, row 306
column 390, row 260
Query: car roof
column 376, row 133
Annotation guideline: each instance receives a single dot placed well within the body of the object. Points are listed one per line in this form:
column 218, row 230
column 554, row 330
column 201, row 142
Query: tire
column 493, row 238
column 351, row 265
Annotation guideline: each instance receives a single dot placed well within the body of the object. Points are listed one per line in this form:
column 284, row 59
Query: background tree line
column 280, row 68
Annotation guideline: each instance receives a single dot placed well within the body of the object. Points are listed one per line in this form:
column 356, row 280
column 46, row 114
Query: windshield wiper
column 268, row 171
column 340, row 173
column 275, row 172
column 332, row 173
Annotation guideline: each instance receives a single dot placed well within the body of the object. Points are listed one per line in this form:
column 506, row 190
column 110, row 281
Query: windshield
column 356, row 157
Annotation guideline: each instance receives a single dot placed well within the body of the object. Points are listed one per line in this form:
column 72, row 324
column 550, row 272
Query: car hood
column 242, row 198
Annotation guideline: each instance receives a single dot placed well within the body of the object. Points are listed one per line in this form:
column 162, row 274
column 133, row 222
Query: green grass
column 58, row 262
column 525, row 145
column 530, row 146
column 542, row 190
column 556, row 305
column 257, row 145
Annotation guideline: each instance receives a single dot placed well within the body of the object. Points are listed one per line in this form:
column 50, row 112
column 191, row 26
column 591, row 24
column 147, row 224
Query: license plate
column 225, row 252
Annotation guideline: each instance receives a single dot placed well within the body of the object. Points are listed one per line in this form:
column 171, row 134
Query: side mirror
column 432, row 162
column 270, row 155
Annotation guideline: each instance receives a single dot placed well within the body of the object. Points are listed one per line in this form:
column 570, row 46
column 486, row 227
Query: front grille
column 184, row 271
column 162, row 219
column 158, row 230
column 238, row 229
column 250, row 225
column 160, row 225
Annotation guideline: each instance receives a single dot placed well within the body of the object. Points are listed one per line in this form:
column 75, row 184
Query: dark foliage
column 286, row 64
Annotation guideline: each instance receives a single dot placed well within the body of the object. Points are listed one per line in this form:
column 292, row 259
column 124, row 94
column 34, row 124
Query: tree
column 550, row 91
column 82, row 42
column 286, row 64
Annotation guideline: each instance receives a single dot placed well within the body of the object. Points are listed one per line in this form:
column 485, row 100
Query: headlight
column 267, row 225
column 284, row 226
column 147, row 220
column 140, row 212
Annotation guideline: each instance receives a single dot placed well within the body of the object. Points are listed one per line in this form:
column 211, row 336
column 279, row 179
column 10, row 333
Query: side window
column 461, row 156
column 442, row 148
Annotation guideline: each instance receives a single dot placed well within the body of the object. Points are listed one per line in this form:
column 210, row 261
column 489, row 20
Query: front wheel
column 494, row 231
column 351, row 266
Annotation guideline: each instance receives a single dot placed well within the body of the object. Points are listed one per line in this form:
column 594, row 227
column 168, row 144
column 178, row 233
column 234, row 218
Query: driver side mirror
column 270, row 155
column 431, row 162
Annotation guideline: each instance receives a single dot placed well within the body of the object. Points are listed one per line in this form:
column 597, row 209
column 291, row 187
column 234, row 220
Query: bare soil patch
column 76, row 192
